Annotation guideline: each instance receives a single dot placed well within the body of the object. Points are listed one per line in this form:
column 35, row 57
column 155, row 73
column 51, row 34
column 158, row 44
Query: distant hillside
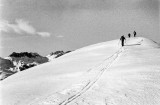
column 17, row 62
column 28, row 57
column 5, row 65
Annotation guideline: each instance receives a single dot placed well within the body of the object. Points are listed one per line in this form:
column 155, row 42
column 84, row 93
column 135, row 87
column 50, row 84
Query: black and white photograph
column 79, row 52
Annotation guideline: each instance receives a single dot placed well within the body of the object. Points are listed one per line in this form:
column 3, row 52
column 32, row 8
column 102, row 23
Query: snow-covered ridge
column 100, row 74
column 56, row 54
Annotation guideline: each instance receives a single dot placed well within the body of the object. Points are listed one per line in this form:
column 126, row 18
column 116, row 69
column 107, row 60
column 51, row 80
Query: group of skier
column 122, row 39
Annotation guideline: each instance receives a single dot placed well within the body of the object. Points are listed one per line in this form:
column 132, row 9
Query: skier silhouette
column 129, row 35
column 134, row 33
column 122, row 40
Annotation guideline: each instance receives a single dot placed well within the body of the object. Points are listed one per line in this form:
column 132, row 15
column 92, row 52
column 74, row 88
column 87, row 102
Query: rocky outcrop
column 56, row 54
column 5, row 68
column 17, row 62
column 28, row 57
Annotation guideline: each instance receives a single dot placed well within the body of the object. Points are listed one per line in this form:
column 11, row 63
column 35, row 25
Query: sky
column 45, row 26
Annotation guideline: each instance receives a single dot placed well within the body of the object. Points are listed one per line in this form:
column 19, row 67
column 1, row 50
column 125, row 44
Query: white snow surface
column 51, row 57
column 100, row 74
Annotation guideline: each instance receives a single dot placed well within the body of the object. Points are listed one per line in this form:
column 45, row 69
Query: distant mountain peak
column 24, row 54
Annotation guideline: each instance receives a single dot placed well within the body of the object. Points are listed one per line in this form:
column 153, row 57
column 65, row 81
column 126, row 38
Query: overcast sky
column 45, row 26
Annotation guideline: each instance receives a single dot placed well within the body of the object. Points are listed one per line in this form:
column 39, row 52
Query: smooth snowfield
column 100, row 74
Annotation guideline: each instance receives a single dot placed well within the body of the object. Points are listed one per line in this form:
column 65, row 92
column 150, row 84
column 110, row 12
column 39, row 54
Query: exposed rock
column 17, row 62
column 5, row 66
column 28, row 57
column 56, row 54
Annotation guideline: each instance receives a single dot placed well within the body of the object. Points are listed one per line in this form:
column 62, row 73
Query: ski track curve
column 61, row 98
column 90, row 84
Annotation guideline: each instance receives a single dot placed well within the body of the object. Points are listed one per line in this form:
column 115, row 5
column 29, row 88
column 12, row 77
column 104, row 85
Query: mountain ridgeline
column 28, row 57
column 59, row 53
column 17, row 62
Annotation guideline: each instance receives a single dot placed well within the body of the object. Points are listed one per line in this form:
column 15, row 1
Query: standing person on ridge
column 122, row 40
column 134, row 33
column 129, row 35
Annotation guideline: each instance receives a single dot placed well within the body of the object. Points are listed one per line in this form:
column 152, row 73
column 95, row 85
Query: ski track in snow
column 68, row 95
column 88, row 86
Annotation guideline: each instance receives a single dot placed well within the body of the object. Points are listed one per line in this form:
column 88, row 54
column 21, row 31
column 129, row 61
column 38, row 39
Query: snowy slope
column 51, row 57
column 100, row 74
